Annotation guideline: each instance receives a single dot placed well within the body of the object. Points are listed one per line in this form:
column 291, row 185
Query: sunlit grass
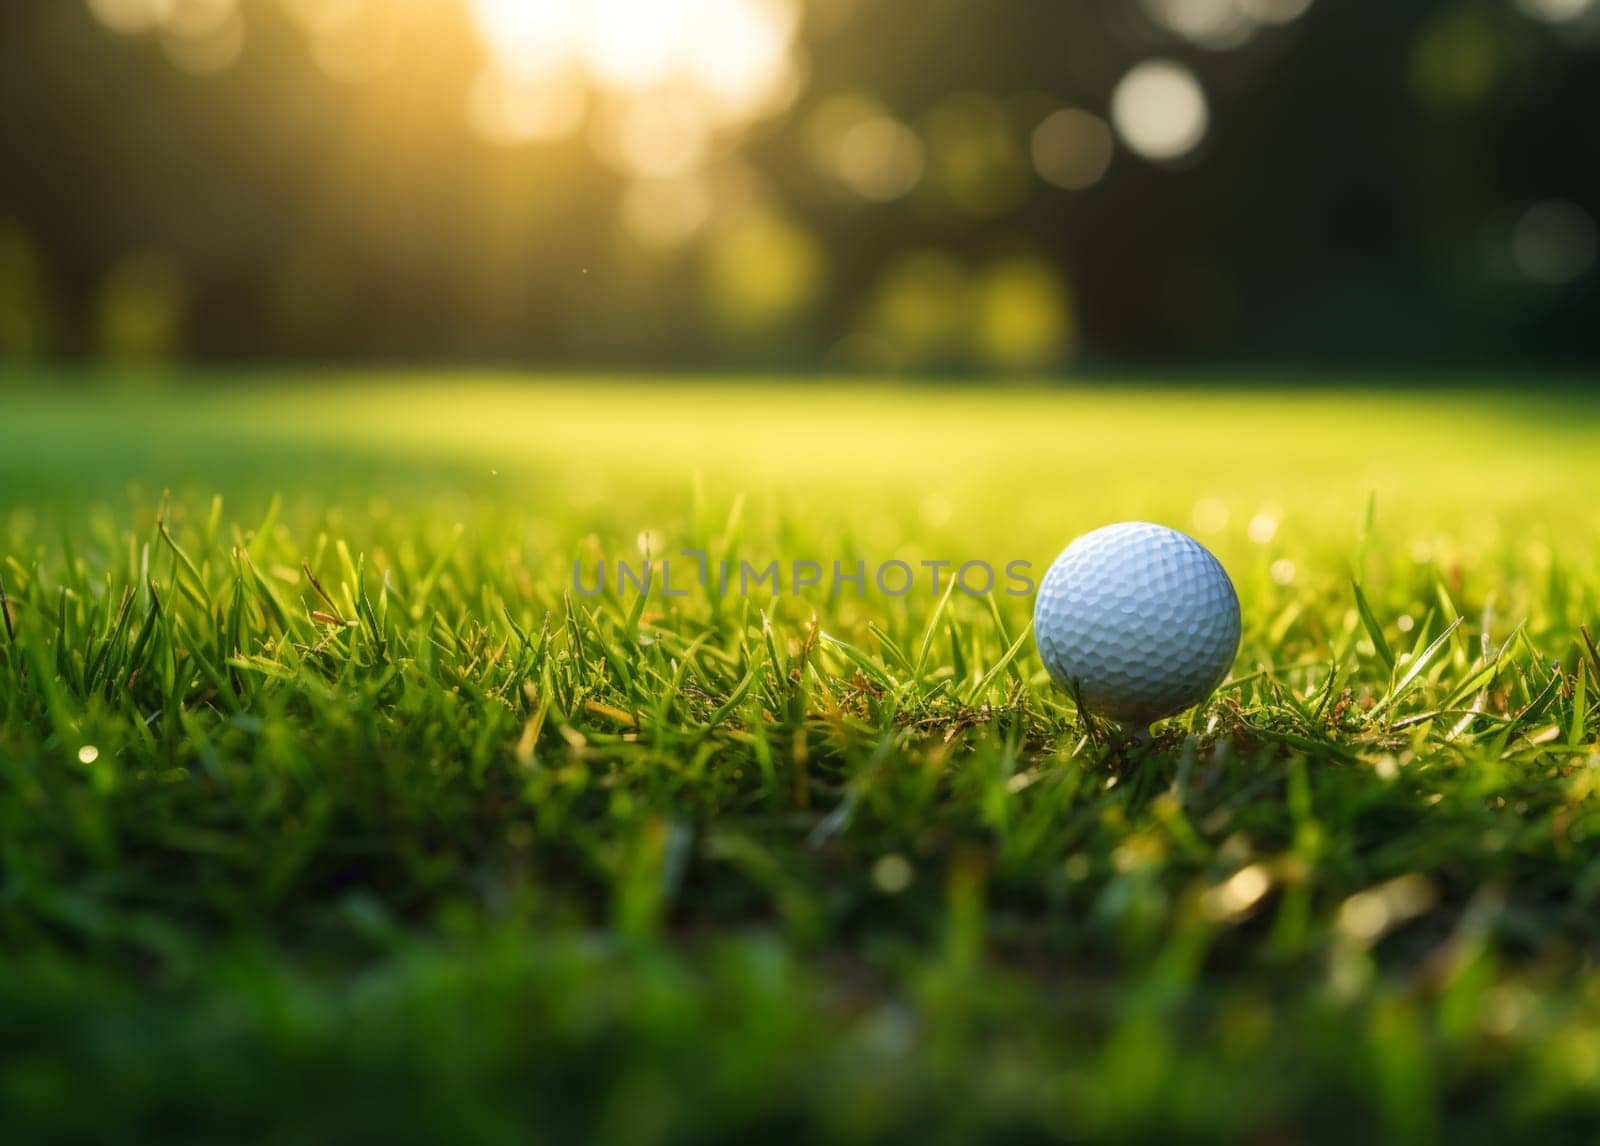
column 326, row 801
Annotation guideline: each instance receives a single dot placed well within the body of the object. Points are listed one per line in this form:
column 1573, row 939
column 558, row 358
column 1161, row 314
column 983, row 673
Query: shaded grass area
column 330, row 810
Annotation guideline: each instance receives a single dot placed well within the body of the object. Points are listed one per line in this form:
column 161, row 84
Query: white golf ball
column 1137, row 620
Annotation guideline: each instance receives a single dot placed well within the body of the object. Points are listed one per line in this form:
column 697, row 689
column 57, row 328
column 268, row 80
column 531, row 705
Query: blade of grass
column 187, row 562
column 1374, row 630
column 933, row 628
column 1594, row 653
column 1531, row 711
column 1414, row 670
column 1000, row 666
column 316, row 586
column 735, row 698
column 5, row 613
column 862, row 661
column 1368, row 520
column 1580, row 707
column 268, row 591
column 636, row 611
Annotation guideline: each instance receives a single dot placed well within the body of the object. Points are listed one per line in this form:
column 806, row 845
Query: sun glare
column 527, row 36
column 736, row 59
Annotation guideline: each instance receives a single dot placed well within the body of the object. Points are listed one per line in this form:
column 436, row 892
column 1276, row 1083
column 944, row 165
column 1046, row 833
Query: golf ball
column 1139, row 621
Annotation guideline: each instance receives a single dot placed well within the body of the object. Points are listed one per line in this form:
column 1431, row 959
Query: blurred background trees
column 847, row 185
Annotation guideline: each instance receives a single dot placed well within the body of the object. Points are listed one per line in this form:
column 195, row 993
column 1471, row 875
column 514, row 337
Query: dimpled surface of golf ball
column 1137, row 620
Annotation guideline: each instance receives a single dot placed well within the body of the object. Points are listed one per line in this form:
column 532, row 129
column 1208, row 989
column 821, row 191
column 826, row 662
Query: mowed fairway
column 330, row 810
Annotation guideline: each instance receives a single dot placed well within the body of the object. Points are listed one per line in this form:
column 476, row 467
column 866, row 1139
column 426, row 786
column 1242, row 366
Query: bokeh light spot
column 197, row 19
column 661, row 136
column 666, row 213
column 827, row 126
column 975, row 155
column 742, row 52
column 881, row 159
column 1072, row 149
column 131, row 16
column 141, row 309
column 1274, row 11
column 1459, row 60
column 762, row 269
column 920, row 309
column 1160, row 110
column 353, row 41
column 1214, row 24
column 668, row 79
column 1234, row 897
column 1554, row 242
column 1024, row 316
column 633, row 43
column 527, row 36
column 1263, row 527
column 514, row 107
column 204, row 37
column 1556, row 11
column 892, row 874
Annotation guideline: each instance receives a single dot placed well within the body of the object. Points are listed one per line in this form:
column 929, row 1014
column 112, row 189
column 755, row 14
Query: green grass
column 433, row 848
